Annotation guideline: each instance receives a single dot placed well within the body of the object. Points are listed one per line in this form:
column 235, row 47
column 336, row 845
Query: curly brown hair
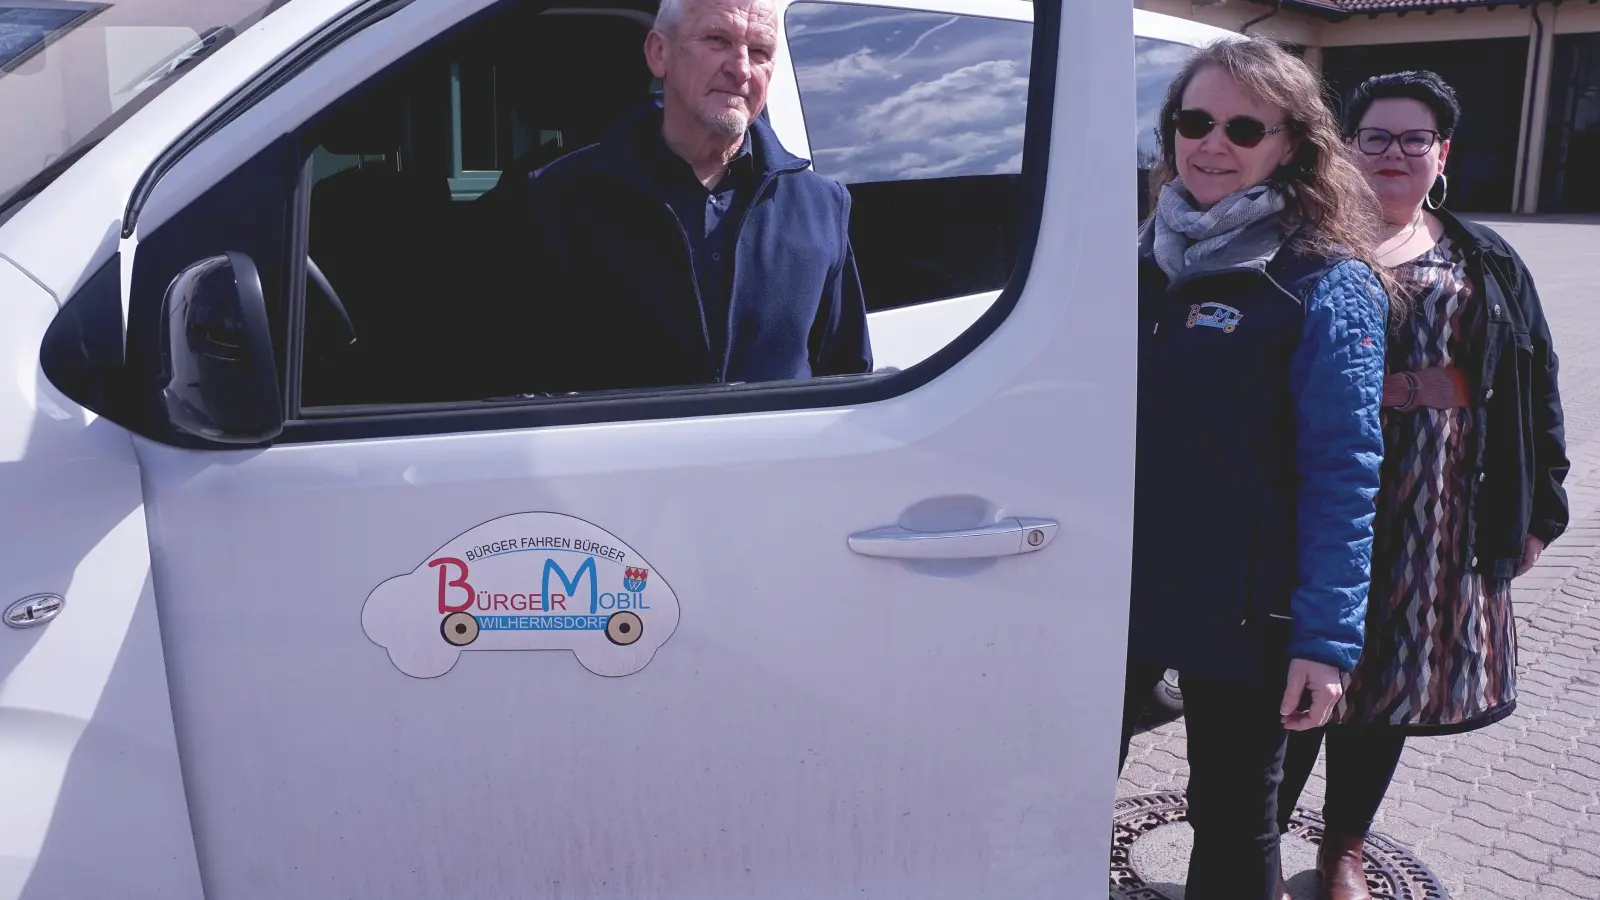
column 1324, row 188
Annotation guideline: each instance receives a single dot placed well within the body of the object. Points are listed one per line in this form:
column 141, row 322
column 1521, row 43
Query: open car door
column 838, row 638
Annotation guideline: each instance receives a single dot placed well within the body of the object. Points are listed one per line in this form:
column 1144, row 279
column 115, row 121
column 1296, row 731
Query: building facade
column 1528, row 75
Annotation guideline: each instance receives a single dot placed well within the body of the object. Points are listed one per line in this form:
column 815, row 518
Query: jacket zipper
column 738, row 232
column 694, row 282
column 719, row 365
column 1249, row 578
column 1489, row 269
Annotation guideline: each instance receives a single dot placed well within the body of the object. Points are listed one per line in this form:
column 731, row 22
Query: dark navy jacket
column 1260, row 376
column 615, row 299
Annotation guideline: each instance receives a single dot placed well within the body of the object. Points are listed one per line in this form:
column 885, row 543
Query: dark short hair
column 1423, row 86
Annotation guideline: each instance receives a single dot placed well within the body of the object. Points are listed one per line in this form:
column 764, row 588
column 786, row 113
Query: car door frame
column 1106, row 526
column 277, row 95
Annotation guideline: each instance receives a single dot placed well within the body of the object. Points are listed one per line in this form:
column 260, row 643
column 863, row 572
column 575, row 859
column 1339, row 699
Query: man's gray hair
column 669, row 15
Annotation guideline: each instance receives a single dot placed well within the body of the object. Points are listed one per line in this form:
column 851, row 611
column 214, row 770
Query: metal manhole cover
column 1154, row 870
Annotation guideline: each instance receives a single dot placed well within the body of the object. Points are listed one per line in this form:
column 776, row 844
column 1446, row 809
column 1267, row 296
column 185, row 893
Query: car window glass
column 922, row 116
column 414, row 197
column 424, row 247
column 24, row 30
column 137, row 55
column 893, row 95
column 1156, row 64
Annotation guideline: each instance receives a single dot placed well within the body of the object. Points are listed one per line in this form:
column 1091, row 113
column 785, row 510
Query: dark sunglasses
column 1376, row 141
column 1243, row 131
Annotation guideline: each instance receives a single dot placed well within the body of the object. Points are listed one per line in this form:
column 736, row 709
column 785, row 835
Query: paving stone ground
column 1511, row 811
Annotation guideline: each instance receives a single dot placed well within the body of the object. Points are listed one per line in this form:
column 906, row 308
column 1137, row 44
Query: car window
column 921, row 115
column 892, row 95
column 1156, row 64
column 403, row 206
column 414, row 266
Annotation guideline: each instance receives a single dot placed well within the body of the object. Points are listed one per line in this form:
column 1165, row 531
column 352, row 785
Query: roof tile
column 1343, row 8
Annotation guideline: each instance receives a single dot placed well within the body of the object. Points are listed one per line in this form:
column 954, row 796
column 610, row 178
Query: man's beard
column 727, row 122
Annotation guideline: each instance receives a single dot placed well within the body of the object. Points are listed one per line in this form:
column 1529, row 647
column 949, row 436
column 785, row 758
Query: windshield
column 69, row 70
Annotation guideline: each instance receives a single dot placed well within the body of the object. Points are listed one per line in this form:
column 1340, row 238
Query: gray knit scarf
column 1185, row 236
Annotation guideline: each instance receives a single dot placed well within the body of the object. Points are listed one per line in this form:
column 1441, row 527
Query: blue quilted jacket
column 1260, row 375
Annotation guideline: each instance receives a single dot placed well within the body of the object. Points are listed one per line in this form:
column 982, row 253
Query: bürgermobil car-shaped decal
column 529, row 581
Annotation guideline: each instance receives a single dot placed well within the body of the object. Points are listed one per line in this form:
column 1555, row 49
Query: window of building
column 479, row 136
column 1570, row 180
column 921, row 115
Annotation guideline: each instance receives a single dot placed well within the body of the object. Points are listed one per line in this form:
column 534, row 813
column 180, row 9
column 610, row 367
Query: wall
column 1417, row 27
column 1509, row 21
column 1285, row 26
column 1576, row 18
column 1388, row 28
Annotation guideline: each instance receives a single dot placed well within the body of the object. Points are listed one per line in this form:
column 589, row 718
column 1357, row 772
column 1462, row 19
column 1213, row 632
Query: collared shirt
column 710, row 219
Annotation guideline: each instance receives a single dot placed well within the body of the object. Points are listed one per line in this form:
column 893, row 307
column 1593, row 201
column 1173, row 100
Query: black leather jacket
column 1521, row 458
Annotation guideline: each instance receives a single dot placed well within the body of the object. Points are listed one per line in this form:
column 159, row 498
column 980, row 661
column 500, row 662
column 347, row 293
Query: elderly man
column 688, row 246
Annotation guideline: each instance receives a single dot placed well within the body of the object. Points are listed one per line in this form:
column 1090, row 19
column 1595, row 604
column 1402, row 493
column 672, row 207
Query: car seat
column 377, row 234
column 556, row 89
column 557, row 47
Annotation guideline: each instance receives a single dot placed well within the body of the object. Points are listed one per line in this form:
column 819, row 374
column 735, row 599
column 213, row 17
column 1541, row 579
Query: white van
column 843, row 637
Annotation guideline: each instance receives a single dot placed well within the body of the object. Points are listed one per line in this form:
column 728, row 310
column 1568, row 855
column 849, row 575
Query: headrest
column 557, row 83
column 372, row 121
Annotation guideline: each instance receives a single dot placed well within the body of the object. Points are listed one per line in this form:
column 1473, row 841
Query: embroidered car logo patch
column 1214, row 315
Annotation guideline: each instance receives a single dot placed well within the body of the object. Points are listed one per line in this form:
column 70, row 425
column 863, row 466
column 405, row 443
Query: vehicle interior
column 414, row 197
column 413, row 179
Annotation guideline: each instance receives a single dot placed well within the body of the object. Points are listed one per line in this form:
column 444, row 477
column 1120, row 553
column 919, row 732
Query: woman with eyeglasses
column 1261, row 321
column 1472, row 475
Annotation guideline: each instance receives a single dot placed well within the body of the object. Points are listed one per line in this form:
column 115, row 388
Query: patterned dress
column 1440, row 652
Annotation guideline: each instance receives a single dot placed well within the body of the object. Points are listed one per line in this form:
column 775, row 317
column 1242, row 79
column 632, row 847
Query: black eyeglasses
column 1415, row 142
column 1243, row 131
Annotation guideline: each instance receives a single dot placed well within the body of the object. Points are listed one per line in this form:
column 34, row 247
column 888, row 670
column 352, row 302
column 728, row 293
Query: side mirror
column 219, row 377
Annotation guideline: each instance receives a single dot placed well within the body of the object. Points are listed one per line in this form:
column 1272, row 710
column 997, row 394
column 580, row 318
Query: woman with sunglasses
column 1472, row 475
column 1260, row 364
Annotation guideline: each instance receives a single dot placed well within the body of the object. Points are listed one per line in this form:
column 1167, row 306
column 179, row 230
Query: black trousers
column 1236, row 747
column 1361, row 764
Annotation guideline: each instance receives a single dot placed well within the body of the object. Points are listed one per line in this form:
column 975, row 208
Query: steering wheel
column 314, row 273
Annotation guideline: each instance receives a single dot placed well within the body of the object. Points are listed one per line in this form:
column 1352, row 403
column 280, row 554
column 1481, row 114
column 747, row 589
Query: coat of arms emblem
column 634, row 579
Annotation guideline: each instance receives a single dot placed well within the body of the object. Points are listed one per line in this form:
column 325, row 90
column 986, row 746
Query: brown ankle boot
column 1339, row 864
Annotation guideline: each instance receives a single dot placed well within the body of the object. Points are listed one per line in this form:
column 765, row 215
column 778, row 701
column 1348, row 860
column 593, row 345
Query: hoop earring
column 1443, row 193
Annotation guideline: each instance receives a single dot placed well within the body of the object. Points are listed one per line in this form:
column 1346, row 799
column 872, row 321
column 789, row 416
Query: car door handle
column 1006, row 537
